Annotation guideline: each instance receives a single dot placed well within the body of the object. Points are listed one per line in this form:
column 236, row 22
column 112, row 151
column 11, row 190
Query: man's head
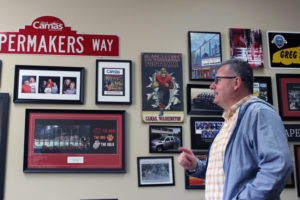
column 233, row 81
column 163, row 72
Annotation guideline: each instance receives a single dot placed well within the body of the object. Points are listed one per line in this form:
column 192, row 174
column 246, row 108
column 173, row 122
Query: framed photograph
column 283, row 48
column 200, row 100
column 74, row 141
column 48, row 84
column 262, row 88
column 246, row 44
column 297, row 162
column 292, row 132
column 155, row 171
column 205, row 54
column 4, row 106
column 113, row 82
column 204, row 130
column 193, row 182
column 291, row 182
column 165, row 139
column 162, row 88
column 288, row 91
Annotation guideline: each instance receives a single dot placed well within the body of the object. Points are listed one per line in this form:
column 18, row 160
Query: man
column 164, row 82
column 249, row 158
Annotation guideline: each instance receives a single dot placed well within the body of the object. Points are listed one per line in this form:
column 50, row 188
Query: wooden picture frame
column 288, row 91
column 155, row 171
column 49, row 84
column 113, row 82
column 74, row 141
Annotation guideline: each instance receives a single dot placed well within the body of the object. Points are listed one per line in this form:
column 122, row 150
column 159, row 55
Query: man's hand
column 187, row 159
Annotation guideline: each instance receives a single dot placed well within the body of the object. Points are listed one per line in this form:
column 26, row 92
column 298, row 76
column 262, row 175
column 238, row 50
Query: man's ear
column 238, row 83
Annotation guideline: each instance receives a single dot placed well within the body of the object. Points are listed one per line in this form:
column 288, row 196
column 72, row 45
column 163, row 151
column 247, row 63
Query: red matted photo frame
column 288, row 91
column 74, row 141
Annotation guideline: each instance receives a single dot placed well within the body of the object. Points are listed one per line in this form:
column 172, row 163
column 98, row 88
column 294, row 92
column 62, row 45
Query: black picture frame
column 74, row 141
column 205, row 55
column 262, row 88
column 49, row 84
column 193, row 182
column 204, row 130
column 200, row 100
column 4, row 109
column 297, row 167
column 165, row 139
column 155, row 171
column 292, row 132
column 288, row 91
column 113, row 82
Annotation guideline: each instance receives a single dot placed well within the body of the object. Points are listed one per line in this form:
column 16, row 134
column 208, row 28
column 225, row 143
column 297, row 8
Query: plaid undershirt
column 215, row 177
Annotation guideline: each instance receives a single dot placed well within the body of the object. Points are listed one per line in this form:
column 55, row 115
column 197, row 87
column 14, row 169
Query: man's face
column 163, row 72
column 223, row 87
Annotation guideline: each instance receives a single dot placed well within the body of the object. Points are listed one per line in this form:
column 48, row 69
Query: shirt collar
column 229, row 113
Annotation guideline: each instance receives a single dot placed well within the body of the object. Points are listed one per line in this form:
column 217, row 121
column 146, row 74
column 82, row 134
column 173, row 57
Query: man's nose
column 212, row 86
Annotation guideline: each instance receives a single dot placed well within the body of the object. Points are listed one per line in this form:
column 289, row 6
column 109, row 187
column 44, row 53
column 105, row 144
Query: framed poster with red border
column 74, row 141
column 288, row 91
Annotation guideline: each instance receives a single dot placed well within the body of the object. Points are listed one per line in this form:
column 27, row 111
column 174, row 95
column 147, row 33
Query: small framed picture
column 48, row 84
column 62, row 141
column 155, row 171
column 204, row 130
column 262, row 88
column 165, row 139
column 288, row 91
column 4, row 110
column 297, row 167
column 113, row 82
column 200, row 100
column 205, row 54
column 193, row 182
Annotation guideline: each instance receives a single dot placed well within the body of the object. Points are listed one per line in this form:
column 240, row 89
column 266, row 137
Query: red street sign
column 48, row 35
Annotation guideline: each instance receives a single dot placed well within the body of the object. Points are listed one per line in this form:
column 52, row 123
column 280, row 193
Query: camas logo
column 54, row 26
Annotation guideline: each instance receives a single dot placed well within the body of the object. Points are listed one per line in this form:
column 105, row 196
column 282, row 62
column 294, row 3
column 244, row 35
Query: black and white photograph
column 165, row 139
column 155, row 171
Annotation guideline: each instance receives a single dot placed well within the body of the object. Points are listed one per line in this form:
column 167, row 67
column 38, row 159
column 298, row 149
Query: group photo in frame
column 200, row 100
column 74, row 141
column 165, row 139
column 4, row 109
column 205, row 54
column 194, row 182
column 49, row 84
column 155, row 171
column 113, row 82
column 262, row 88
column 288, row 91
column 204, row 130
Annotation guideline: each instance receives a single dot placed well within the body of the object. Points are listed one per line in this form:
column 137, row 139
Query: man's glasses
column 218, row 78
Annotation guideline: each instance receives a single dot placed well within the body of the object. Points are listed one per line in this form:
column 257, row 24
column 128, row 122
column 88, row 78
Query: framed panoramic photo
column 204, row 130
column 297, row 163
column 74, row 141
column 205, row 54
column 155, row 171
column 48, row 84
column 193, row 182
column 246, row 44
column 165, row 139
column 113, row 82
column 288, row 91
column 4, row 106
column 200, row 100
column 262, row 88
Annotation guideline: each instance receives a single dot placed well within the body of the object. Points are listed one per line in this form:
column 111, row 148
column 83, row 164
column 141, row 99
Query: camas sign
column 49, row 35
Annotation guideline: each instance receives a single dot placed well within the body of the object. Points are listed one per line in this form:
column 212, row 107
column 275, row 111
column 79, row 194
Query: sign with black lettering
column 293, row 132
column 49, row 35
column 284, row 49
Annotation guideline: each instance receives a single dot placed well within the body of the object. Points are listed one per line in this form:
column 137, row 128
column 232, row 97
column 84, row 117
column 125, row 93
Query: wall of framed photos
column 142, row 26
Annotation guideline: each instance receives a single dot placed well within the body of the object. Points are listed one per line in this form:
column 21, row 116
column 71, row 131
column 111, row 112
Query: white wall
column 142, row 26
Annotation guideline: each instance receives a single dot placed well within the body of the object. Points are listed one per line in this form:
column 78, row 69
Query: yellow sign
column 287, row 56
